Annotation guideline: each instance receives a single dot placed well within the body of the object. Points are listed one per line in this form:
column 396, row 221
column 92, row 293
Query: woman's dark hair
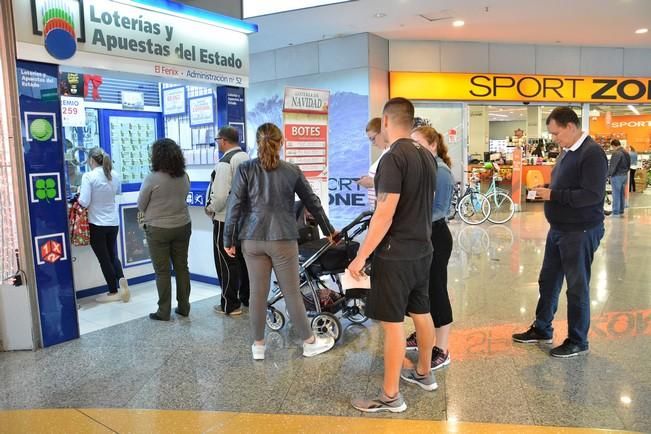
column 433, row 137
column 563, row 116
column 167, row 157
column 270, row 139
column 103, row 159
column 616, row 143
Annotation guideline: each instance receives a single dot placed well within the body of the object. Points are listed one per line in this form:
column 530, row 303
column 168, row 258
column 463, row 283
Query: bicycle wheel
column 473, row 240
column 502, row 207
column 474, row 208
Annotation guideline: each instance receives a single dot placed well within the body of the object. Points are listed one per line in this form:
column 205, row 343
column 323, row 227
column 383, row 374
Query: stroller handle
column 349, row 226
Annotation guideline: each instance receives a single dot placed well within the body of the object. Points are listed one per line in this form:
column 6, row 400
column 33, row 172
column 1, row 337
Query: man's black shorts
column 398, row 287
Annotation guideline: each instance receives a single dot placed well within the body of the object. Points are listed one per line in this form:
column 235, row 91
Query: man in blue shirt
column 574, row 209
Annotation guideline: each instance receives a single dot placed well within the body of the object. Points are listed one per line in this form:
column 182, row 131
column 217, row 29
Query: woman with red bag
column 97, row 193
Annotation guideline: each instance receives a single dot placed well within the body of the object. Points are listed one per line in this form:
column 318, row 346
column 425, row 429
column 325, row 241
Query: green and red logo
column 59, row 34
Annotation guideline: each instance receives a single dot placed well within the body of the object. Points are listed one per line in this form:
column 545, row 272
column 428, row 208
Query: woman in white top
column 375, row 136
column 97, row 193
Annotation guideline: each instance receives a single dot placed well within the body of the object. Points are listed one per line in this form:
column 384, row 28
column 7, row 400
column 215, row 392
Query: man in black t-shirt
column 399, row 234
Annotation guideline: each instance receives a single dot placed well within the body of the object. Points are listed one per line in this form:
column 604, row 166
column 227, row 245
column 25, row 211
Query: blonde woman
column 98, row 190
column 261, row 206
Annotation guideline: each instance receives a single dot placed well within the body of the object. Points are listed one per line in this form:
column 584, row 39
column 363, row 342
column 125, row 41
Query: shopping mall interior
column 118, row 75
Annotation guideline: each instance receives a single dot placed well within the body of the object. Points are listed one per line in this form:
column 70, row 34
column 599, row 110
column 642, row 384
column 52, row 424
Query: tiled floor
column 204, row 362
column 144, row 298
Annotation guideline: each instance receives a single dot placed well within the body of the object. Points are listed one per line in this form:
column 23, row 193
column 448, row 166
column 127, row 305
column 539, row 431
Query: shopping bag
column 79, row 226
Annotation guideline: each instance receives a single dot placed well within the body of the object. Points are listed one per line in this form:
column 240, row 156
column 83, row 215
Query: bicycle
column 473, row 207
column 501, row 204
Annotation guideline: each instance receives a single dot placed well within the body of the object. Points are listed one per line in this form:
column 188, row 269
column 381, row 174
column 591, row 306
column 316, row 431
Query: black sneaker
column 531, row 336
column 568, row 349
column 412, row 343
column 440, row 359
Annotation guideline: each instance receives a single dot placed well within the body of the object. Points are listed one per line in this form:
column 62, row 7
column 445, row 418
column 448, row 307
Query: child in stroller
column 319, row 258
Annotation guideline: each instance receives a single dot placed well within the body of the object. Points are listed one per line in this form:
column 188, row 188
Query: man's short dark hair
column 401, row 111
column 563, row 116
column 229, row 134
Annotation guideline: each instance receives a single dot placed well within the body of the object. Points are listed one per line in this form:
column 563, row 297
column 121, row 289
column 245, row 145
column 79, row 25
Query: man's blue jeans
column 567, row 255
column 618, row 182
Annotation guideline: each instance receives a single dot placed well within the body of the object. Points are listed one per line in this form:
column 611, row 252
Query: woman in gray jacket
column 167, row 225
column 261, row 205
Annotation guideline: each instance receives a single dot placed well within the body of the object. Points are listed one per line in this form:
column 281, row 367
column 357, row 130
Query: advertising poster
column 348, row 148
column 44, row 169
column 174, row 101
column 73, row 112
column 305, row 113
column 202, row 111
column 134, row 241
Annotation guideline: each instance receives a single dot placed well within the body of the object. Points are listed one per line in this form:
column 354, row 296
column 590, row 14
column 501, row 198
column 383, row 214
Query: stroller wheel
column 275, row 319
column 354, row 310
column 326, row 324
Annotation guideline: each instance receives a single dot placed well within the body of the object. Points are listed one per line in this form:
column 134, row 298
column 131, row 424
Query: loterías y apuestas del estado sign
column 64, row 29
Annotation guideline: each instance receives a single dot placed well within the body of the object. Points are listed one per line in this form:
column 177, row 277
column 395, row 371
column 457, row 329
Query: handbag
column 79, row 226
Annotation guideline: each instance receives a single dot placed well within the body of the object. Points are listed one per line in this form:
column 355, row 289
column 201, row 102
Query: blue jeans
column 567, row 255
column 618, row 182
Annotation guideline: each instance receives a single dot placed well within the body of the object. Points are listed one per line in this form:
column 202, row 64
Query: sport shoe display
column 412, row 343
column 108, row 298
column 124, row 292
column 440, row 359
column 258, row 351
column 426, row 382
column 531, row 336
column 381, row 403
column 568, row 349
column 320, row 345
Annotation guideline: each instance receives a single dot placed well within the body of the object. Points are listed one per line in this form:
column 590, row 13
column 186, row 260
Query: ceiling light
column 633, row 109
column 499, row 115
column 625, row 399
column 380, row 15
column 458, row 23
column 641, row 31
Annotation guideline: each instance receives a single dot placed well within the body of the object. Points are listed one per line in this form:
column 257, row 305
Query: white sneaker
column 107, row 298
column 320, row 345
column 258, row 351
column 124, row 290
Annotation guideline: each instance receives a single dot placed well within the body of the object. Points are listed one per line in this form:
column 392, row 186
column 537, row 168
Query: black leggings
column 103, row 242
column 439, row 301
column 631, row 181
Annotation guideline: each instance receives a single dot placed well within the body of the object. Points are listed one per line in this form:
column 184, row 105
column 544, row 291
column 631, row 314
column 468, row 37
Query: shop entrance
column 124, row 114
column 495, row 131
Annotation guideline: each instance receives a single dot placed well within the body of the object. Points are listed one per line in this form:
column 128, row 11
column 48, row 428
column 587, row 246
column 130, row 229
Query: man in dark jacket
column 620, row 163
column 574, row 209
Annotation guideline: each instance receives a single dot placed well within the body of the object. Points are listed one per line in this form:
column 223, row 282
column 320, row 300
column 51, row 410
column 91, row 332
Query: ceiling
column 601, row 23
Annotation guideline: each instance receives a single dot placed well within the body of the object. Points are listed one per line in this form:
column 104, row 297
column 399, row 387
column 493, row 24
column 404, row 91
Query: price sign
column 73, row 111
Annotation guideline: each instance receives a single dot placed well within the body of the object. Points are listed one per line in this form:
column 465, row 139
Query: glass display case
column 131, row 137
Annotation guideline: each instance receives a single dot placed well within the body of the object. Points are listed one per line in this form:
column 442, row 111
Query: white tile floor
column 144, row 298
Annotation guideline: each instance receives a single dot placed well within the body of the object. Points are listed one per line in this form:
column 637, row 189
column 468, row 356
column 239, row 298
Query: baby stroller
column 318, row 259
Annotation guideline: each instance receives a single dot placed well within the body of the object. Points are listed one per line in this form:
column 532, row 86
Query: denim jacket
column 261, row 203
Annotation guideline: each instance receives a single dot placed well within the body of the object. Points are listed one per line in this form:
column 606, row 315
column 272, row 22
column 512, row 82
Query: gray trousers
column 165, row 245
column 282, row 256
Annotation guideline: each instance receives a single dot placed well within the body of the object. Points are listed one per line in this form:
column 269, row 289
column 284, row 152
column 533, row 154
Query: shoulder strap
column 227, row 158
